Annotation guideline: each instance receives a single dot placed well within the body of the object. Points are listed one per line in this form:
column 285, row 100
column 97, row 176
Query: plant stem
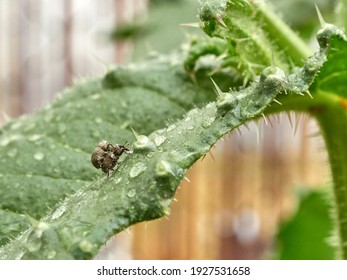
column 298, row 103
column 333, row 124
column 330, row 112
column 295, row 46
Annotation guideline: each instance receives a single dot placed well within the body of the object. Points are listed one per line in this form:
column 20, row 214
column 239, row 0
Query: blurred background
column 259, row 194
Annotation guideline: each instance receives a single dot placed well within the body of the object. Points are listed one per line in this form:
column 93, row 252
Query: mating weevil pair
column 106, row 155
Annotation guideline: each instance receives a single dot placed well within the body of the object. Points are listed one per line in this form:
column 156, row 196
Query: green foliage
column 305, row 235
column 55, row 205
column 58, row 141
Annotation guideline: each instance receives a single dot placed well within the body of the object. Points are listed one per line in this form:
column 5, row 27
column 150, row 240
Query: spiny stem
column 333, row 123
column 296, row 47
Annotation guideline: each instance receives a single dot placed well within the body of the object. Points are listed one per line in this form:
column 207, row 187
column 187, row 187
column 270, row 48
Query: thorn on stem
column 135, row 134
column 309, row 94
column 221, row 22
column 218, row 90
column 276, row 101
column 294, row 122
column 273, row 62
column 258, row 132
column 265, row 119
column 320, row 17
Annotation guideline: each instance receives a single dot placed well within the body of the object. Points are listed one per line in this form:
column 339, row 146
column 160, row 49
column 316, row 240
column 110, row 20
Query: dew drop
column 165, row 202
column 207, row 122
column 163, row 168
column 160, row 139
column 171, row 127
column 59, row 212
column 34, row 243
column 86, row 246
column 131, row 193
column 184, row 156
column 137, row 169
column 39, row 156
column 192, row 112
column 238, row 112
column 79, row 193
column 117, row 180
column 34, row 240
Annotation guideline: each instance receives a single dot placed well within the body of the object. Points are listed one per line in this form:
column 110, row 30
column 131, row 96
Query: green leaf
column 331, row 113
column 143, row 185
column 46, row 156
column 305, row 235
column 64, row 208
column 332, row 77
column 328, row 106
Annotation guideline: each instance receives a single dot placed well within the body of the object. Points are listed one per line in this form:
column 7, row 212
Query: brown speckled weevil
column 106, row 155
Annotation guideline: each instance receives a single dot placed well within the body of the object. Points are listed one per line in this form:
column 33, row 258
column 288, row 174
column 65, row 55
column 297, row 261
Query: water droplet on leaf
column 117, row 180
column 160, row 139
column 86, row 246
column 39, row 156
column 207, row 122
column 59, row 212
column 131, row 193
column 34, row 243
column 171, row 127
column 137, row 169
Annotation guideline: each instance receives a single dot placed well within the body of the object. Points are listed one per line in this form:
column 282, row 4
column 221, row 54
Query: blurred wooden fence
column 45, row 44
column 231, row 207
